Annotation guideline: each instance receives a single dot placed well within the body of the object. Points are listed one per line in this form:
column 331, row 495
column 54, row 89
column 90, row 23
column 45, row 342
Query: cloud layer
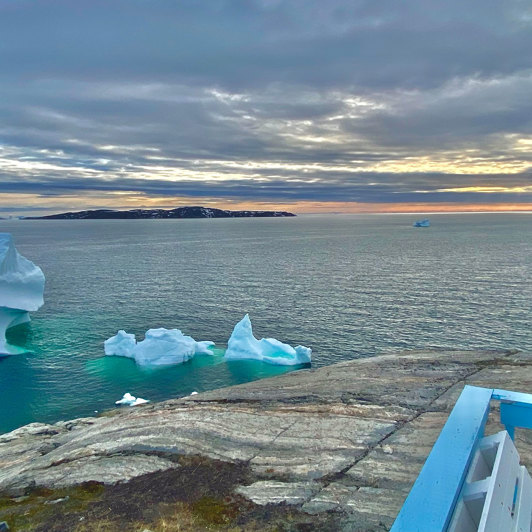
column 288, row 101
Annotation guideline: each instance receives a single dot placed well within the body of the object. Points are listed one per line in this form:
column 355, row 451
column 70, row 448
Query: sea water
column 347, row 286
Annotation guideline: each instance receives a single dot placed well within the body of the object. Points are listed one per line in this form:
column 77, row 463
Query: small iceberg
column 21, row 290
column 160, row 347
column 244, row 346
column 422, row 223
column 131, row 400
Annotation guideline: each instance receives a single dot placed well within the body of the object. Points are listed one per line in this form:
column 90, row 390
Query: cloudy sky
column 312, row 106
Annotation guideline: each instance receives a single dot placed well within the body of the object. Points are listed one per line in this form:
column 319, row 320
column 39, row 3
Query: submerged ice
column 21, row 289
column 160, row 347
column 243, row 345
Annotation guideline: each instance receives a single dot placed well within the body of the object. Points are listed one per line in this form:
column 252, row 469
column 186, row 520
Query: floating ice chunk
column 194, row 393
column 422, row 223
column 168, row 346
column 160, row 347
column 243, row 345
column 139, row 401
column 21, row 289
column 127, row 399
column 131, row 400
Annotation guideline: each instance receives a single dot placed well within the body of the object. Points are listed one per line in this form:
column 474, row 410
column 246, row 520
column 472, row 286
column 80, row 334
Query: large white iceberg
column 21, row 289
column 160, row 347
column 243, row 345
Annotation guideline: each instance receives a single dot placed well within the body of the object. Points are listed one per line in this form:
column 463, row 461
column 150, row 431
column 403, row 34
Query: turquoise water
column 347, row 286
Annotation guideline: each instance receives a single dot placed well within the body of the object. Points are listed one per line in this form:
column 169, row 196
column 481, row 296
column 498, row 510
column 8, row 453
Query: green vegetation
column 198, row 495
column 40, row 506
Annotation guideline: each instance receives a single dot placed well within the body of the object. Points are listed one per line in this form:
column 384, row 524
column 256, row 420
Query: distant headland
column 180, row 212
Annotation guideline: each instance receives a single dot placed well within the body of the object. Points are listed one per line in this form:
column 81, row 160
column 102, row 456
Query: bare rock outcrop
column 348, row 438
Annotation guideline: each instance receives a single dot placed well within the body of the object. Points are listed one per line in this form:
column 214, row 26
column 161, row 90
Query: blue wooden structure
column 432, row 500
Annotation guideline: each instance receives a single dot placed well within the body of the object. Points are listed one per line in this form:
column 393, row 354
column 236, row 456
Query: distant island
column 180, row 212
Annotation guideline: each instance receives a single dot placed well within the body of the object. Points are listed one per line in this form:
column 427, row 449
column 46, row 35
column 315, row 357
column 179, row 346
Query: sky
column 304, row 105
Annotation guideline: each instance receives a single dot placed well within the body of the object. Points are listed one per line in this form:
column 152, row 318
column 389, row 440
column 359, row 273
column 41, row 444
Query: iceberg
column 21, row 289
column 422, row 223
column 131, row 400
column 122, row 345
column 160, row 347
column 243, row 345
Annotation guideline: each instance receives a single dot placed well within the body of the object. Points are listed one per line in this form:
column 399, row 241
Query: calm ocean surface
column 346, row 286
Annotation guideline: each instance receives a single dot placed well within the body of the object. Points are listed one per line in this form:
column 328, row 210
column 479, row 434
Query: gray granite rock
column 399, row 458
column 104, row 469
column 373, row 506
column 423, row 377
column 274, row 492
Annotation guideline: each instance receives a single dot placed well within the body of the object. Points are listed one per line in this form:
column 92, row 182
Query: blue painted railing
column 516, row 410
column 431, row 501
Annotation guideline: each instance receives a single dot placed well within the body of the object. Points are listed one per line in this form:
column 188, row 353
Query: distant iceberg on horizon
column 422, row 223
column 21, row 290
column 160, row 347
column 243, row 345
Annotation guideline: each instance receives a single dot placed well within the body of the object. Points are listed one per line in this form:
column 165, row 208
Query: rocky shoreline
column 336, row 448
